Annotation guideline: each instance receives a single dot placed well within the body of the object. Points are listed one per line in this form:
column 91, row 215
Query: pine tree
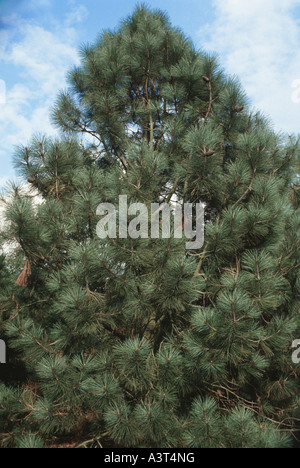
column 140, row 342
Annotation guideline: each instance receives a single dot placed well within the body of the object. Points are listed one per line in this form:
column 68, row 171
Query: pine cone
column 238, row 109
column 208, row 152
column 23, row 278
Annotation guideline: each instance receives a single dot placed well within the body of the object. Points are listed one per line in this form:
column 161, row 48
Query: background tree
column 139, row 342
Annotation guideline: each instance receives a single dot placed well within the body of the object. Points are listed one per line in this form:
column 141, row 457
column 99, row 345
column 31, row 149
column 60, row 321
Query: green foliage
column 30, row 442
column 139, row 342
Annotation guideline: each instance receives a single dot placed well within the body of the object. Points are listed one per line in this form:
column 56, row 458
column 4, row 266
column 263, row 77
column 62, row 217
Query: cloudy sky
column 257, row 40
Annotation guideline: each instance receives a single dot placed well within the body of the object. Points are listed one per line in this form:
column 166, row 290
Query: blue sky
column 257, row 40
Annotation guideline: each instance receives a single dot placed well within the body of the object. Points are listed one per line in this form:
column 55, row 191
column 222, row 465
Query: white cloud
column 41, row 59
column 258, row 40
column 77, row 14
